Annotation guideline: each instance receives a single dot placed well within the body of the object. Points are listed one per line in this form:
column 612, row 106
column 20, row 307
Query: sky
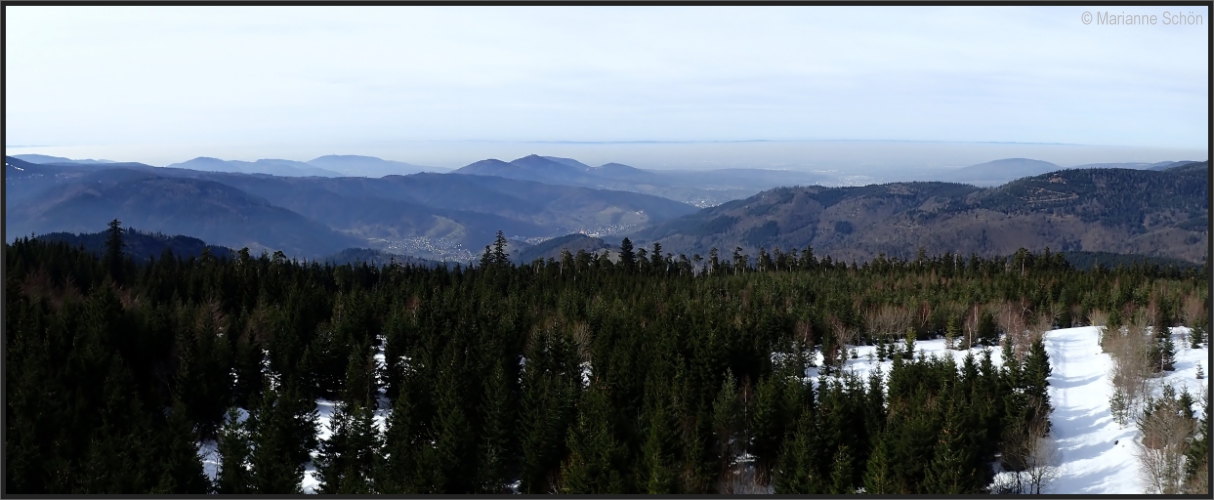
column 662, row 87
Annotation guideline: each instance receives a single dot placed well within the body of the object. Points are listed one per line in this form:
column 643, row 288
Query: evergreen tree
column 951, row 470
column 950, row 334
column 595, row 457
column 114, row 246
column 799, row 469
column 283, row 433
column 627, row 257
column 345, row 462
column 1196, row 337
column 234, row 477
column 497, row 438
column 500, row 255
column 658, row 475
column 879, row 476
column 841, row 472
column 1036, row 372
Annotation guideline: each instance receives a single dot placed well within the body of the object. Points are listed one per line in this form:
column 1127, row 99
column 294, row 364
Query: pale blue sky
column 164, row 84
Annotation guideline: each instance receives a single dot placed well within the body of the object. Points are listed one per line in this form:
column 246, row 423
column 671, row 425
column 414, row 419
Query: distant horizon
column 678, row 155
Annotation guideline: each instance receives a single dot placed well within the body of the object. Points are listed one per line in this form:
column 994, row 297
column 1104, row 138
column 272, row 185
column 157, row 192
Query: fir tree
column 1196, row 337
column 627, row 257
column 114, row 246
column 496, row 443
column 879, row 475
column 950, row 334
column 595, row 456
column 658, row 475
column 798, row 469
column 234, row 477
column 841, row 472
column 345, row 462
column 1036, row 372
column 500, row 255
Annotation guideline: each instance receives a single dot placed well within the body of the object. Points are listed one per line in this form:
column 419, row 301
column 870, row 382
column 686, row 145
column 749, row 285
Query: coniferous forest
column 644, row 373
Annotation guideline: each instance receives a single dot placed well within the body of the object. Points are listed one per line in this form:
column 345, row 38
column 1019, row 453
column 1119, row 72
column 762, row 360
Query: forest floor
column 1094, row 455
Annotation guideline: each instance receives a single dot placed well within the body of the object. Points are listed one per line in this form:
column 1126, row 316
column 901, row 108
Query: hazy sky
column 164, row 84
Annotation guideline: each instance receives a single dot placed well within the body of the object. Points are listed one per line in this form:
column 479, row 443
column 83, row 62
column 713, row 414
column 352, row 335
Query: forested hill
column 593, row 378
column 140, row 245
column 1154, row 213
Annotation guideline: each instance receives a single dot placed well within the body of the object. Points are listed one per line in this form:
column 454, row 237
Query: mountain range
column 1156, row 213
column 700, row 188
column 424, row 215
column 536, row 199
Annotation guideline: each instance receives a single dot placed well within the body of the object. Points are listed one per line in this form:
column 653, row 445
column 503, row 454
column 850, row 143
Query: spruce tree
column 627, row 257
column 841, row 472
column 500, row 255
column 950, row 334
column 345, row 463
column 1196, row 337
column 595, row 456
column 114, row 246
column 283, row 434
column 879, row 475
column 496, row 448
column 657, row 468
column 798, row 470
column 234, row 477
column 1036, row 372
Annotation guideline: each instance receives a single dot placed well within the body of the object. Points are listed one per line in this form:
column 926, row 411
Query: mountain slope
column 464, row 208
column 367, row 166
column 266, row 166
column 41, row 159
column 552, row 248
column 997, row 172
column 200, row 208
column 701, row 188
column 1110, row 210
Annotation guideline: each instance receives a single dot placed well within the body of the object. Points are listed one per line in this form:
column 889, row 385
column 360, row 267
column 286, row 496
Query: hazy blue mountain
column 994, row 173
column 1165, row 165
column 1198, row 167
column 700, row 188
column 368, row 166
column 200, row 208
column 286, row 168
column 467, row 209
column 534, row 168
column 432, row 216
column 1136, row 165
column 1124, row 211
column 36, row 158
column 568, row 161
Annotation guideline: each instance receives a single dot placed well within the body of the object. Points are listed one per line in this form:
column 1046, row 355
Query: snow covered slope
column 1097, row 454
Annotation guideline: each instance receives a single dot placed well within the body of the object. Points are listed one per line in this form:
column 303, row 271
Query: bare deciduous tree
column 1166, row 428
column 887, row 320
